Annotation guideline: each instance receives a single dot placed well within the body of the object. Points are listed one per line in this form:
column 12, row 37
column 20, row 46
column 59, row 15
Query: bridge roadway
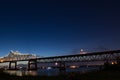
column 95, row 56
column 106, row 56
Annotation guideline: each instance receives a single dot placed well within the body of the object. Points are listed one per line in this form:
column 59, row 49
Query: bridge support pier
column 32, row 64
column 62, row 67
column 10, row 65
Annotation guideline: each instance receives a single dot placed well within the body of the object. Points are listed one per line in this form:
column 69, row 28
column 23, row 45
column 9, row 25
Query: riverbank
column 97, row 75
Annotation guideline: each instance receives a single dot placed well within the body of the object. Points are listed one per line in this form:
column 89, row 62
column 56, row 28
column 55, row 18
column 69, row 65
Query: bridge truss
column 16, row 56
column 89, row 57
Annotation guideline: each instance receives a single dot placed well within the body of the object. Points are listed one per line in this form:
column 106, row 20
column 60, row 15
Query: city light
column 1, row 60
column 74, row 67
column 56, row 63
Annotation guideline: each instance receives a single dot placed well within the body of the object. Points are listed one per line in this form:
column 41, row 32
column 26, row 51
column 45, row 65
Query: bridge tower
column 61, row 66
column 32, row 64
column 15, row 65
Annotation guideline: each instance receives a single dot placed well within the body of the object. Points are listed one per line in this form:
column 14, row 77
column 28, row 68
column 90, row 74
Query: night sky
column 59, row 27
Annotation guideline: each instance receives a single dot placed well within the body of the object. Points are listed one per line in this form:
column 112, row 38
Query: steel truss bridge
column 109, row 56
column 16, row 56
column 95, row 56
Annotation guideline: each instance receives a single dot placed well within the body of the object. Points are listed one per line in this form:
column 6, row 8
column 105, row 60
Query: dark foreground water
column 50, row 72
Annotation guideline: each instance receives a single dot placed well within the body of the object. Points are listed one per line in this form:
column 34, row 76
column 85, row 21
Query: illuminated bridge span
column 106, row 56
column 95, row 56
column 16, row 56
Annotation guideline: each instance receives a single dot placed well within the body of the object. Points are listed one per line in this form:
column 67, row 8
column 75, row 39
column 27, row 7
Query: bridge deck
column 76, row 57
column 87, row 54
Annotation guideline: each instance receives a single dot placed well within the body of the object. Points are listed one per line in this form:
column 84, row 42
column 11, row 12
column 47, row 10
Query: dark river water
column 50, row 71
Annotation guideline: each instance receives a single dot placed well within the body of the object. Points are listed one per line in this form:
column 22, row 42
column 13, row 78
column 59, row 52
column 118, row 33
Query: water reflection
column 22, row 73
column 49, row 72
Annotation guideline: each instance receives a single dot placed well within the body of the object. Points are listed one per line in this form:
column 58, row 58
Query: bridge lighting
column 73, row 67
column 114, row 63
column 15, row 55
column 1, row 60
column 56, row 63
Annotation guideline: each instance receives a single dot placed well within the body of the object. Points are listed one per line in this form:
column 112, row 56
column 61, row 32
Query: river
column 50, row 71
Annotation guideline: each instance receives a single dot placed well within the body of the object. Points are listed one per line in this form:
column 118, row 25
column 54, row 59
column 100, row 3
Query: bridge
column 112, row 57
column 15, row 56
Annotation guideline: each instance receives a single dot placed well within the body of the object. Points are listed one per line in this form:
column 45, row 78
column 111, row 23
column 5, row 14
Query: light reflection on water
column 22, row 73
column 50, row 72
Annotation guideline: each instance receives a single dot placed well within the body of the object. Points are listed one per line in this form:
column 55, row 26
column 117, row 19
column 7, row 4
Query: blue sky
column 59, row 27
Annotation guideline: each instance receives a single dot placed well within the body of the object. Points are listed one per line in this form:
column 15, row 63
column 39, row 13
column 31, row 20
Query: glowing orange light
column 73, row 67
column 112, row 63
column 1, row 60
